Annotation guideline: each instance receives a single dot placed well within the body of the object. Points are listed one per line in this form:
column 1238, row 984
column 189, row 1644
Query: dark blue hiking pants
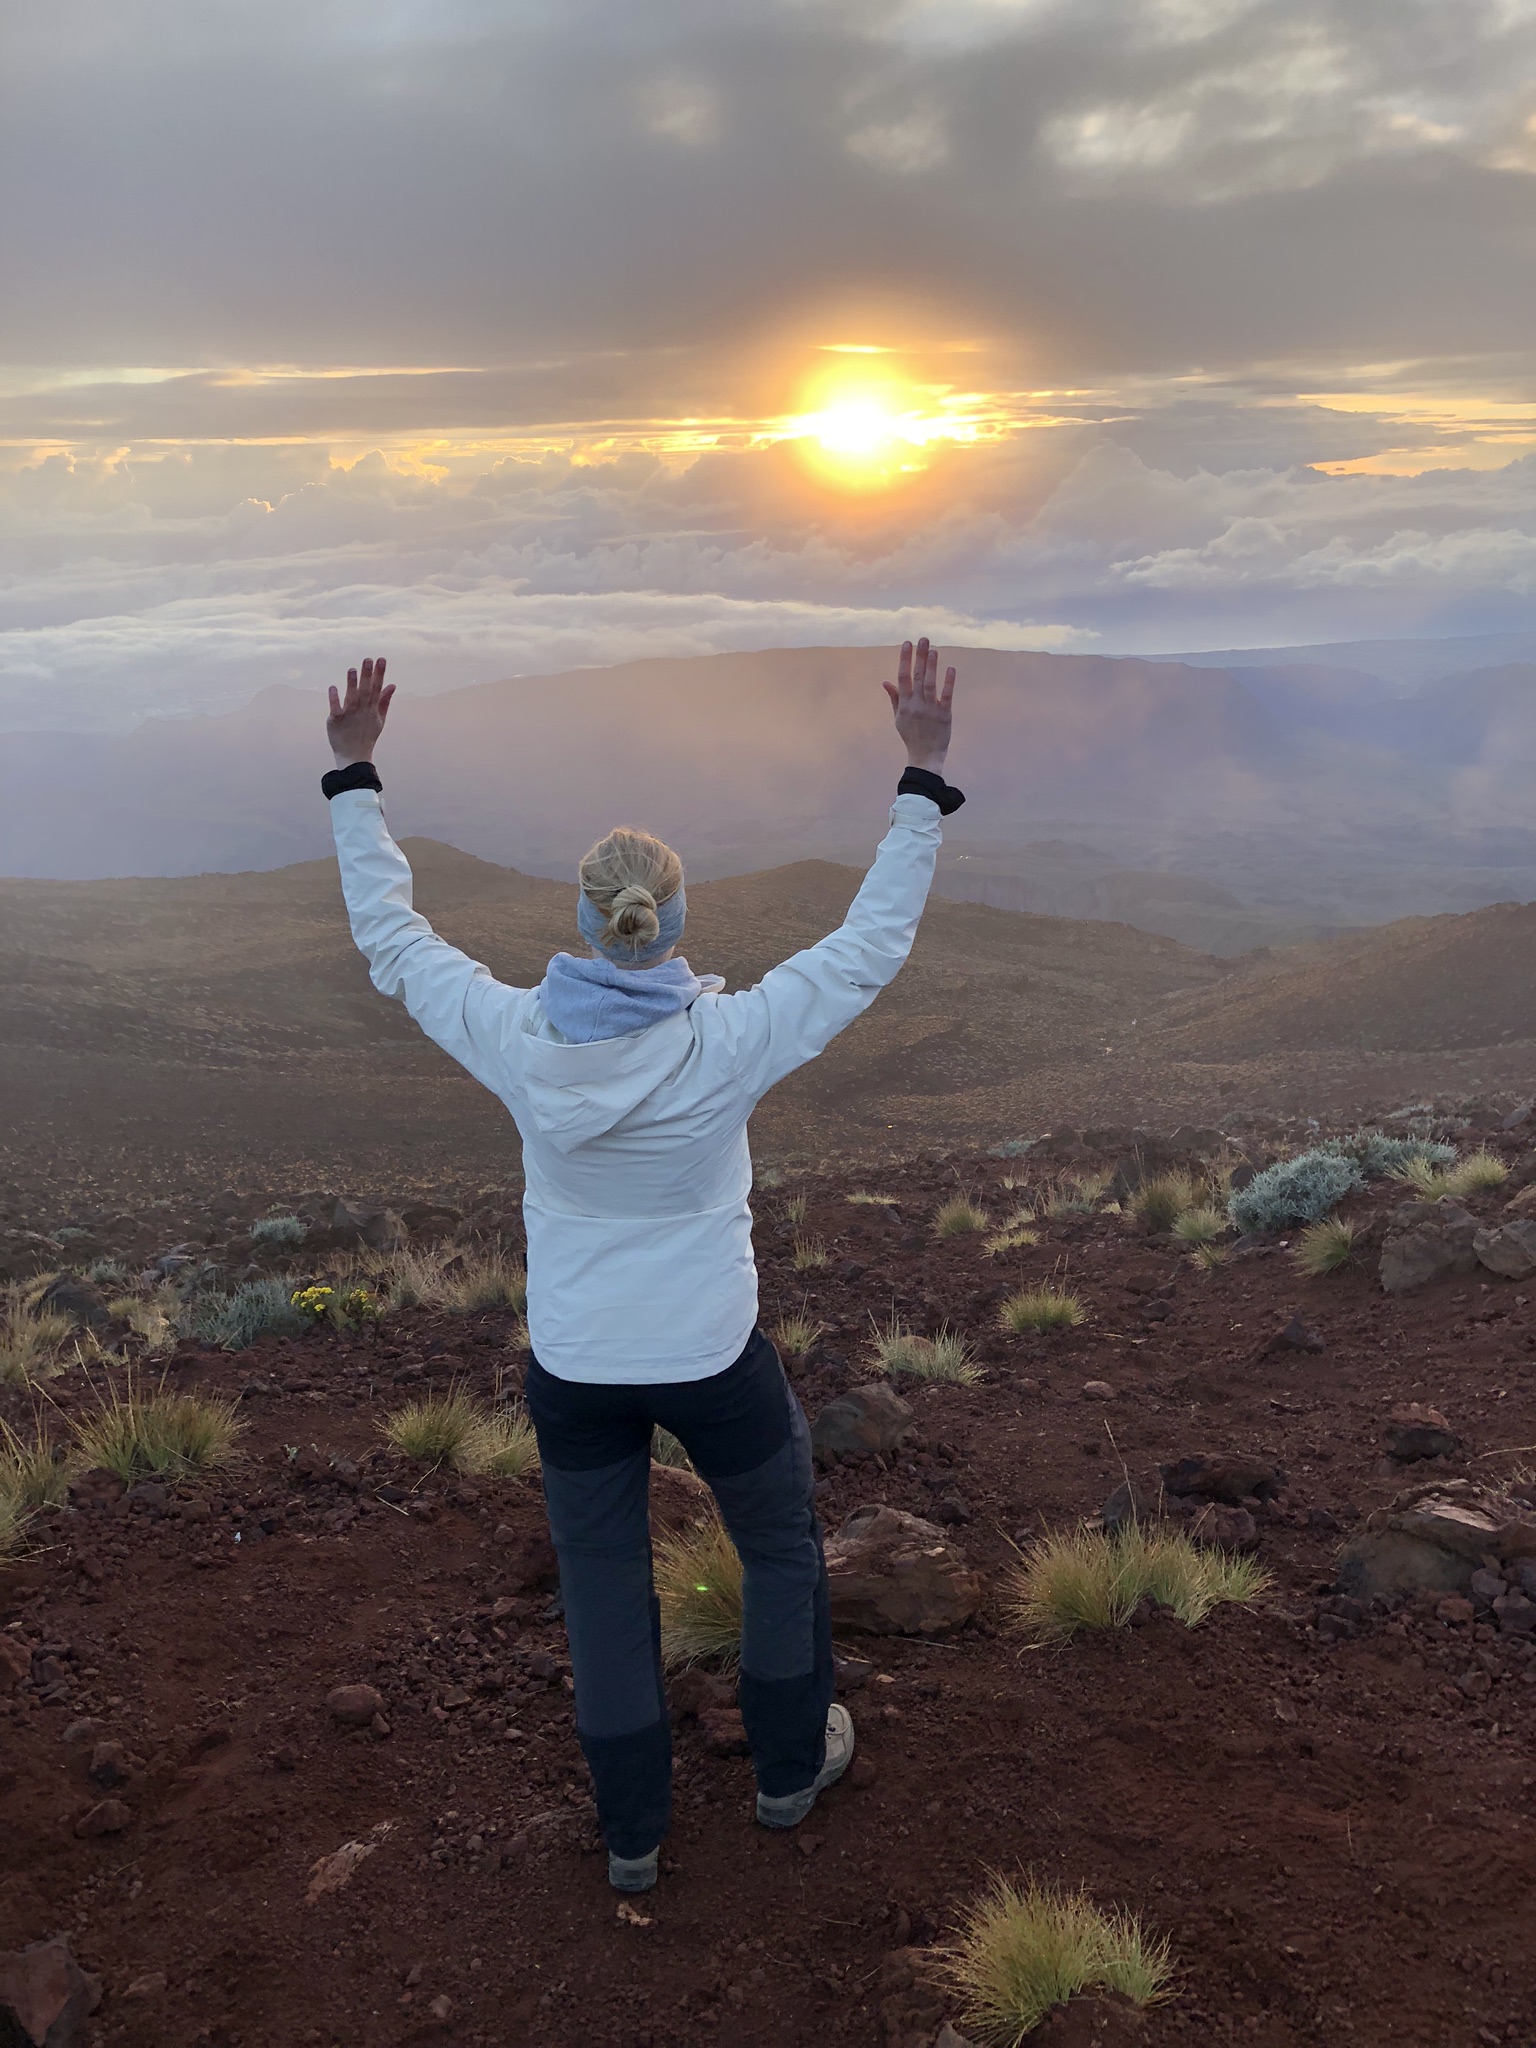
column 747, row 1436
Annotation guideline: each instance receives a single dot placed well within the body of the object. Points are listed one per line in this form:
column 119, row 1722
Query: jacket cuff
column 356, row 775
column 923, row 782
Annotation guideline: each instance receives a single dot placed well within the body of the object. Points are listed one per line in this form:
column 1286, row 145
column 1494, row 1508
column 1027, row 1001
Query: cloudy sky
column 509, row 335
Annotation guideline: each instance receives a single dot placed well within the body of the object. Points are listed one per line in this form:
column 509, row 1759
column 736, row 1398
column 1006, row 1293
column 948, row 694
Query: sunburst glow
column 864, row 435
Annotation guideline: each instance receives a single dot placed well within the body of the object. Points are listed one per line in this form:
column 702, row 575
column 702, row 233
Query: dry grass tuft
column 861, row 1198
column 794, row 1210
column 1209, row 1258
column 1089, row 1579
column 1202, row 1225
column 1046, row 1307
column 135, row 1434
column 666, row 1449
column 797, row 1335
column 1024, row 1948
column 458, row 1431
column 810, row 1255
column 1478, row 1174
column 31, row 1338
column 698, row 1583
column 1324, row 1247
column 1160, row 1201
column 1014, row 1234
column 34, row 1472
column 490, row 1279
column 942, row 1357
column 958, row 1217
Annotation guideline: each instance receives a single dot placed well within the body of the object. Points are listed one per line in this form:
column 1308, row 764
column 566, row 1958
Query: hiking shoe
column 633, row 1873
column 789, row 1811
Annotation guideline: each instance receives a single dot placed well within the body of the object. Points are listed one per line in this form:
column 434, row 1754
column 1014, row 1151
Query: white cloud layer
column 190, row 581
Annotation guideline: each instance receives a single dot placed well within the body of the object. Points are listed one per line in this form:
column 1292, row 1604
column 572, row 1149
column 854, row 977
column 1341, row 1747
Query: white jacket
column 635, row 1155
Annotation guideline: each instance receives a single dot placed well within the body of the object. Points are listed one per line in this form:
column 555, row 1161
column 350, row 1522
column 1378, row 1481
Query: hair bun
column 632, row 916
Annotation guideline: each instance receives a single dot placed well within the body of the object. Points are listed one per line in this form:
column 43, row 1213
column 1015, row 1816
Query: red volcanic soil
column 1335, row 1832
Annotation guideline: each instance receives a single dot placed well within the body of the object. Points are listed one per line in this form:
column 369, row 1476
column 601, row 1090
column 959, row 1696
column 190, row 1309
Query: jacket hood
column 577, row 1092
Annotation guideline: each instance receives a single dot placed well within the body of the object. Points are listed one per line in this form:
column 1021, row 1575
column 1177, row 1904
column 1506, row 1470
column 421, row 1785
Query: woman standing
column 631, row 1080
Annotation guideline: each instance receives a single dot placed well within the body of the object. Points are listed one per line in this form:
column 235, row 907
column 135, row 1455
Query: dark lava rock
column 45, row 1997
column 1415, row 1432
column 1223, row 1478
column 1427, row 1241
column 108, row 1818
column 724, row 1732
column 78, row 1299
column 867, row 1421
column 1295, row 1336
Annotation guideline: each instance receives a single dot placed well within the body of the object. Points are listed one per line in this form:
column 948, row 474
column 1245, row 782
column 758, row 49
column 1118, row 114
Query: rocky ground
column 1325, row 1802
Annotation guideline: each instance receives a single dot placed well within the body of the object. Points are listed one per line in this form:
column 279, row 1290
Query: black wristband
column 923, row 782
column 356, row 775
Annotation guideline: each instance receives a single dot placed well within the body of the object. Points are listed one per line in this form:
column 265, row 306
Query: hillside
column 183, row 1023
column 173, row 1029
column 1431, row 984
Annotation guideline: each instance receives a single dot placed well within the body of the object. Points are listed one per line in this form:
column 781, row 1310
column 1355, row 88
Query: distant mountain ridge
column 1317, row 794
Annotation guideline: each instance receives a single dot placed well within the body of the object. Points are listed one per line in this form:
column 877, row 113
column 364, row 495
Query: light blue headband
column 593, row 926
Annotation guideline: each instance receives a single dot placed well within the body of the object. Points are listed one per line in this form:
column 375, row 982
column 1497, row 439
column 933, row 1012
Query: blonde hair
column 625, row 877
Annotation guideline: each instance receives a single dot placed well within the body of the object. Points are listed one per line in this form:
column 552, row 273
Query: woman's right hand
column 921, row 704
column 356, row 723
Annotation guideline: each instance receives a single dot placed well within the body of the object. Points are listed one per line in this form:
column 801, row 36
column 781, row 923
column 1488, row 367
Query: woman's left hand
column 353, row 727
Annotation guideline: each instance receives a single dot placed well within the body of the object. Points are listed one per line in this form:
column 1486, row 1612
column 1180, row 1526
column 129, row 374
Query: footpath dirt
column 1334, row 1830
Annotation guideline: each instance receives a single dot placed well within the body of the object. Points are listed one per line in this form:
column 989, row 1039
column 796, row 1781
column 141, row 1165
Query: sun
column 866, row 435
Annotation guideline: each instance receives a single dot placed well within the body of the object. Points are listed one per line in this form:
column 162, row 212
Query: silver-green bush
column 1299, row 1190
column 260, row 1308
column 1378, row 1155
column 276, row 1230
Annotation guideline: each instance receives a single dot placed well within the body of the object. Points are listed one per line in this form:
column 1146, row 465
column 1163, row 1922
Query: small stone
column 15, row 1663
column 82, row 1731
column 807, row 1844
column 851, row 1672
column 151, row 1985
column 354, row 1706
column 866, row 1421
column 378, row 1727
column 1515, row 1614
column 110, row 1817
column 286, row 1757
column 109, row 1765
column 1456, row 1612
column 948, row 2038
column 1414, row 1432
column 862, row 1773
column 1486, row 1587
column 724, row 1732
column 1476, row 1683
column 1098, row 1390
column 441, row 2009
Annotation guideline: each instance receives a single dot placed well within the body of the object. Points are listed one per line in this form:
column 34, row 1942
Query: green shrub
column 1292, row 1191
